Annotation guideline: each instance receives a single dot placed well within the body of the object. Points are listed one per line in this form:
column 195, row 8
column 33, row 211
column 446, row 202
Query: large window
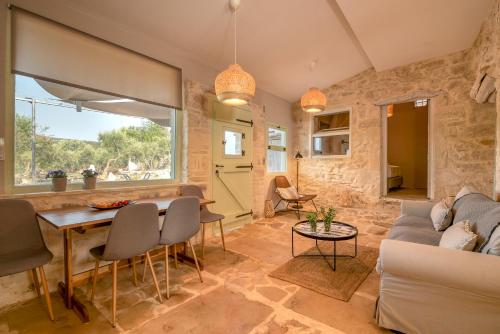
column 62, row 127
column 276, row 149
column 331, row 133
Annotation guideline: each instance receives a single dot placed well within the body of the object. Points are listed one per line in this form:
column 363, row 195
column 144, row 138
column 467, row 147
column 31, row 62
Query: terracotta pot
column 59, row 183
column 89, row 182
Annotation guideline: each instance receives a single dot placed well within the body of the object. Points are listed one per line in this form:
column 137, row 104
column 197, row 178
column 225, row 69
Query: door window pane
column 233, row 143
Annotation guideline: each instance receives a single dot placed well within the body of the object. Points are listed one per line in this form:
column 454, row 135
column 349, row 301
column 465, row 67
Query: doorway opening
column 407, row 150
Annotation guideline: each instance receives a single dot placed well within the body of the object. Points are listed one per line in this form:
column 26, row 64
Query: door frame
column 430, row 146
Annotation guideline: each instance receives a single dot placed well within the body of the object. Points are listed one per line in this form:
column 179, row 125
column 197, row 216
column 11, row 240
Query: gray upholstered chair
column 134, row 232
column 206, row 216
column 181, row 223
column 22, row 247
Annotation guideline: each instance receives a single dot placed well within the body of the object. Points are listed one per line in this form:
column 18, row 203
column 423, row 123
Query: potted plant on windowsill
column 59, row 179
column 89, row 178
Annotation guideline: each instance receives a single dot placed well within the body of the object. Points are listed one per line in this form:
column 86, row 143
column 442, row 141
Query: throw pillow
column 441, row 216
column 459, row 236
column 464, row 191
column 493, row 245
column 288, row 193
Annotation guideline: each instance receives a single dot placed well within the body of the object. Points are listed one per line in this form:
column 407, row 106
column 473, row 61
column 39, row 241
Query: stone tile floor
column 237, row 295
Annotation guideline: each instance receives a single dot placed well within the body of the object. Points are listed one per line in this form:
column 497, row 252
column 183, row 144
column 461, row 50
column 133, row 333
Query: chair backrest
column 19, row 228
column 134, row 231
column 281, row 182
column 192, row 190
column 182, row 220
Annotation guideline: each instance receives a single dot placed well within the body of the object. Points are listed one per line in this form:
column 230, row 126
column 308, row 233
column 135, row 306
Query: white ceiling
column 278, row 39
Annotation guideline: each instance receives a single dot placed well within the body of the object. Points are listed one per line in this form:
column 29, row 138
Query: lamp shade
column 234, row 86
column 313, row 100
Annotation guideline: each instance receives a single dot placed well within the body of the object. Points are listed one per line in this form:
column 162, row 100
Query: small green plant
column 313, row 221
column 328, row 218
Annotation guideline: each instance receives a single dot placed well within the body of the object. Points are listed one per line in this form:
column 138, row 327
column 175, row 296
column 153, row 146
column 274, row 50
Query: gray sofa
column 428, row 289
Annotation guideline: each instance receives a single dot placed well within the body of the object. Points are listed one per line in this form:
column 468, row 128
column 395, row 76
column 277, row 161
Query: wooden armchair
column 289, row 195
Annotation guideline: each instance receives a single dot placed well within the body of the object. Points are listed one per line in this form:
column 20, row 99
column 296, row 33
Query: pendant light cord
column 235, row 35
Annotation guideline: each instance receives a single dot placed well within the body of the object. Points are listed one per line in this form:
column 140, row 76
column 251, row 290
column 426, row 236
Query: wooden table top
column 84, row 216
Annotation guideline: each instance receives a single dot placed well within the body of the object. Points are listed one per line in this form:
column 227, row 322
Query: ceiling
column 278, row 39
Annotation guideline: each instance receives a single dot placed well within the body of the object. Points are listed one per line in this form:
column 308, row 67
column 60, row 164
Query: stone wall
column 463, row 131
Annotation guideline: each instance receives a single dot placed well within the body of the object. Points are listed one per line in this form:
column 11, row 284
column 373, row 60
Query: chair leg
column 222, row 234
column 175, row 257
column 134, row 269
column 202, row 241
column 195, row 260
column 148, row 260
column 144, row 269
column 167, row 278
column 94, row 280
column 46, row 292
column 315, row 208
column 115, row 273
column 36, row 283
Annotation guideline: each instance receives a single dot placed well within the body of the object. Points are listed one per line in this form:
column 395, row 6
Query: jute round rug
column 315, row 273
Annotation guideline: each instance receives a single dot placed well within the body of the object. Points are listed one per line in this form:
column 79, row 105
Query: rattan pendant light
column 234, row 86
column 313, row 100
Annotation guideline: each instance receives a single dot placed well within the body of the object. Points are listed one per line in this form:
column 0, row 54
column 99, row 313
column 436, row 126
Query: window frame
column 330, row 133
column 277, row 148
column 9, row 173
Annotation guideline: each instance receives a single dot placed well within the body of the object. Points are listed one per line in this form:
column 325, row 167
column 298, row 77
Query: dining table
column 79, row 219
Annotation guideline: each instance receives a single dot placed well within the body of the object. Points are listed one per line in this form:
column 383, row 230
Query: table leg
column 334, row 255
column 66, row 288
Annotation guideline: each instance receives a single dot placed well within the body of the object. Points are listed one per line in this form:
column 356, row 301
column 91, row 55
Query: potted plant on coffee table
column 89, row 178
column 59, row 179
column 328, row 217
column 312, row 218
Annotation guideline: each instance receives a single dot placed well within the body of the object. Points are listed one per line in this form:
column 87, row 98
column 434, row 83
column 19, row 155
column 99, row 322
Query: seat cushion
column 23, row 260
column 97, row 251
column 208, row 217
column 415, row 221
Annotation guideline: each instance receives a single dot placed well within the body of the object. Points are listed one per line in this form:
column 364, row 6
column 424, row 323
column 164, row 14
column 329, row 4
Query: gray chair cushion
column 134, row 231
column 208, row 217
column 21, row 243
column 23, row 260
column 182, row 220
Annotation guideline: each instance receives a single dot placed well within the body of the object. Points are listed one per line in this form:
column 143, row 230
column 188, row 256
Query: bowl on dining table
column 109, row 205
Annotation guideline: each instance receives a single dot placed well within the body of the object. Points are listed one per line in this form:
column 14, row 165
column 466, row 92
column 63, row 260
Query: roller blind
column 51, row 51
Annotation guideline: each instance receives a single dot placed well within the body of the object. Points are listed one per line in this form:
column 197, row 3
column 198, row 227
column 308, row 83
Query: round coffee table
column 338, row 231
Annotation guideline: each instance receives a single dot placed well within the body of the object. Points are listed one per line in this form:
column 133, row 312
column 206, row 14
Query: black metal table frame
column 334, row 239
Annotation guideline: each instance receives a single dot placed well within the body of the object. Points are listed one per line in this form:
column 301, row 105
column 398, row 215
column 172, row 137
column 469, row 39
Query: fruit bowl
column 109, row 205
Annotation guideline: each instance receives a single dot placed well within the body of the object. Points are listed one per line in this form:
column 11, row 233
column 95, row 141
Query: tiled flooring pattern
column 237, row 295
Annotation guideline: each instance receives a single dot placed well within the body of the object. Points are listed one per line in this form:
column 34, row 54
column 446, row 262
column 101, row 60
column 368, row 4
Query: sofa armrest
column 467, row 271
column 416, row 208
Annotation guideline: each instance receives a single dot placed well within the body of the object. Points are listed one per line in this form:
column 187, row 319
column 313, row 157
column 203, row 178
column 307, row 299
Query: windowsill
column 343, row 156
column 76, row 192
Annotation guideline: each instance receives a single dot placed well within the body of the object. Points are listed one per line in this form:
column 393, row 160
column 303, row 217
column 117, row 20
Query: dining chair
column 134, row 232
column 22, row 247
column 206, row 216
column 181, row 223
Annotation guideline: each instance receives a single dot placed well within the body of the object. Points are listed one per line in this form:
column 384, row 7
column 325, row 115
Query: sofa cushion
column 441, row 216
column 482, row 212
column 415, row 229
column 459, row 237
column 493, row 245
